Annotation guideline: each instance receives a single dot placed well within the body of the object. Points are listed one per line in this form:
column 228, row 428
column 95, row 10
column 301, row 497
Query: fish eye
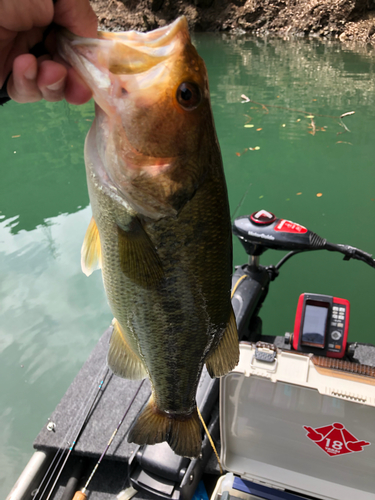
column 188, row 95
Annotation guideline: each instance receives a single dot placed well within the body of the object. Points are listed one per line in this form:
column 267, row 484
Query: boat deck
column 101, row 410
column 75, row 408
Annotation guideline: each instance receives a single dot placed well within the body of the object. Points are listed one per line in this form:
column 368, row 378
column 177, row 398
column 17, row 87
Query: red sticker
column 335, row 440
column 287, row 226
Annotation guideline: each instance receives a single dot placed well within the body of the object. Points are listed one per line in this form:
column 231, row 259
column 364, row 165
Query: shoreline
column 345, row 20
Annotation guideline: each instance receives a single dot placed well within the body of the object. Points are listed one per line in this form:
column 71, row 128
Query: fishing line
column 71, row 433
column 211, row 441
column 240, row 202
column 81, row 494
column 67, row 438
column 244, row 276
column 88, row 414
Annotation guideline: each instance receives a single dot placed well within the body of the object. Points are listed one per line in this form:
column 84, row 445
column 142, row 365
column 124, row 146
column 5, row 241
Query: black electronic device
column 321, row 325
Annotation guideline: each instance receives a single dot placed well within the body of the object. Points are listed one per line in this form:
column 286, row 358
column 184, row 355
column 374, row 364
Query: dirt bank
column 343, row 19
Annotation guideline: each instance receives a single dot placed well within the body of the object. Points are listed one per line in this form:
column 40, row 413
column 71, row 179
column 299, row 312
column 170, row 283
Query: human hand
column 22, row 24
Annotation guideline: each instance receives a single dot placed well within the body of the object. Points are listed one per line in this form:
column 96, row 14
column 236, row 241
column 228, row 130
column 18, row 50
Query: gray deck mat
column 115, row 398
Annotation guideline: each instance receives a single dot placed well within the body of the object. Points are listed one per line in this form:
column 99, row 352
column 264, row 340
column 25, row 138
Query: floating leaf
column 256, row 148
column 344, row 142
column 298, row 194
column 319, row 195
column 14, row 136
column 315, row 99
column 248, row 125
column 238, row 154
column 299, row 119
column 347, row 114
column 258, row 129
column 310, row 116
column 261, row 196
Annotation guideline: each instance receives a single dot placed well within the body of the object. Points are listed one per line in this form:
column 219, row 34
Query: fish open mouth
column 133, row 57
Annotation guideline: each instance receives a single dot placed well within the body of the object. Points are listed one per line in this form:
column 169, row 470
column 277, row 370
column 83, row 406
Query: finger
column 76, row 90
column 22, row 85
column 23, row 16
column 13, row 45
column 77, row 16
column 51, row 80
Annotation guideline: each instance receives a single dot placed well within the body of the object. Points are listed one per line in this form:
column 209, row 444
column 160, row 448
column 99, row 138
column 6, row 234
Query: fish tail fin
column 226, row 354
column 182, row 432
column 185, row 437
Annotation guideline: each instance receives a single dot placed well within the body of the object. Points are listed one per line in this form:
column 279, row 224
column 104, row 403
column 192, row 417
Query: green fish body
column 161, row 226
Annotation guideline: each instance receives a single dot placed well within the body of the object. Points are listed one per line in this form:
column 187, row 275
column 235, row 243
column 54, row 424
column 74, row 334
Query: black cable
column 287, row 257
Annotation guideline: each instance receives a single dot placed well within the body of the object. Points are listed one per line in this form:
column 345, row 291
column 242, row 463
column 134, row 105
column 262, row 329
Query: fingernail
column 57, row 86
column 30, row 73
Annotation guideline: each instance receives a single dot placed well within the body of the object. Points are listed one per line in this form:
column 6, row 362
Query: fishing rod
column 81, row 494
column 77, row 433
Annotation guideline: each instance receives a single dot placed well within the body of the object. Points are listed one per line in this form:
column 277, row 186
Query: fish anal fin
column 182, row 432
column 91, row 253
column 225, row 356
column 121, row 359
column 139, row 259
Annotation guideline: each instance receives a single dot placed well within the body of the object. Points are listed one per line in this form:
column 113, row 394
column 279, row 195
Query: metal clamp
column 266, row 356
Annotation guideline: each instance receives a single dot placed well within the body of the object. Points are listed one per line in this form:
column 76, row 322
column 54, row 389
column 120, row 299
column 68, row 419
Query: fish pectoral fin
column 225, row 356
column 182, row 432
column 121, row 359
column 139, row 259
column 91, row 252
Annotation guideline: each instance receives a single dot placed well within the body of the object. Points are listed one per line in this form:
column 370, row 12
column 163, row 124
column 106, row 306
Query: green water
column 51, row 315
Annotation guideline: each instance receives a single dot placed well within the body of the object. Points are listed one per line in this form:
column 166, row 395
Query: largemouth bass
column 160, row 230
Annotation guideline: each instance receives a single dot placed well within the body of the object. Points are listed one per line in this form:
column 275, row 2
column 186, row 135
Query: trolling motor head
column 262, row 230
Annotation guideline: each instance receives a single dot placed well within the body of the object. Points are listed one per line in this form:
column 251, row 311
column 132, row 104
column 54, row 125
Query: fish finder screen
column 314, row 324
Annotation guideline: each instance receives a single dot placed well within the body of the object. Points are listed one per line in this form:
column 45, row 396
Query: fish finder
column 321, row 325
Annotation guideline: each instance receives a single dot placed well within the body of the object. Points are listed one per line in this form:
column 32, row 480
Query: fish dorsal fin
column 121, row 359
column 225, row 356
column 139, row 259
column 91, row 252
